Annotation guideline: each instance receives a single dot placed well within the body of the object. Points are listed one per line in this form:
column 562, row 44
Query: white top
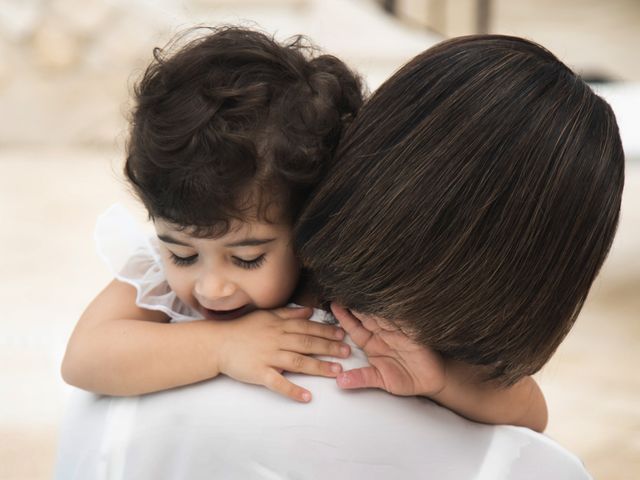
column 223, row 429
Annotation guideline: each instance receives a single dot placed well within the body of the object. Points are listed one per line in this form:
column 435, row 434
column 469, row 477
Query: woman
column 488, row 189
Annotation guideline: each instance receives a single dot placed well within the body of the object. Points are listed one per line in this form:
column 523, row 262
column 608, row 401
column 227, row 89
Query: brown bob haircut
column 471, row 202
column 228, row 121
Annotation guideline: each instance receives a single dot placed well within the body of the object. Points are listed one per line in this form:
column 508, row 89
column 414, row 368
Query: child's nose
column 213, row 287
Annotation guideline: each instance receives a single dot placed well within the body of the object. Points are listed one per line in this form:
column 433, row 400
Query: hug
column 455, row 221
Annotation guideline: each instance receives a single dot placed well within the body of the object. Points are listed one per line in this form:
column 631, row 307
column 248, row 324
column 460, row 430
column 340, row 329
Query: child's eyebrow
column 250, row 242
column 245, row 242
column 169, row 239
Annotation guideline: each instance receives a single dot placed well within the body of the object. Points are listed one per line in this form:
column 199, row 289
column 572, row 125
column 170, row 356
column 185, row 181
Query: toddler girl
column 228, row 136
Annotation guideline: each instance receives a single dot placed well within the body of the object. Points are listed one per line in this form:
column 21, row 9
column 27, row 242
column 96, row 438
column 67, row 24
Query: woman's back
column 226, row 429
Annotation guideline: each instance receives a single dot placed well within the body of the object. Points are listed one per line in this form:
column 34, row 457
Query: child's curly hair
column 232, row 122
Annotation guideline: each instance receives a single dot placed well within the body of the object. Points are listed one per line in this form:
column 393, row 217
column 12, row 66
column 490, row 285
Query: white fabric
column 223, row 429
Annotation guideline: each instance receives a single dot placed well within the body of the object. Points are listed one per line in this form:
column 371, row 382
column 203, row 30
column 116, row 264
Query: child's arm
column 466, row 393
column 402, row 367
column 118, row 348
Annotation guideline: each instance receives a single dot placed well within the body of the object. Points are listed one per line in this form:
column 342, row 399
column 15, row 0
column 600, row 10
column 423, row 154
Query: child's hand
column 398, row 365
column 259, row 347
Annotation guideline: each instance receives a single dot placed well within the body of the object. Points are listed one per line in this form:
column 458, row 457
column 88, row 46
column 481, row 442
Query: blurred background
column 66, row 71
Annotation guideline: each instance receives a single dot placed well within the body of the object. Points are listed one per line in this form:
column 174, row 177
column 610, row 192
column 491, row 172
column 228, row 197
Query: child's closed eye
column 183, row 261
column 251, row 263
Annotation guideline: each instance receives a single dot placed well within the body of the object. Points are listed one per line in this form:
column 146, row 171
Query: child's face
column 251, row 267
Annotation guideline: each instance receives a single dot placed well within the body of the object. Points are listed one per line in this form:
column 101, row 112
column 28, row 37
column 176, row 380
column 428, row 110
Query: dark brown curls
column 473, row 201
column 227, row 122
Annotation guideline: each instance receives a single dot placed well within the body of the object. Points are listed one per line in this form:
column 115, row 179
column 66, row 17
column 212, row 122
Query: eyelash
column 246, row 264
column 249, row 264
column 183, row 261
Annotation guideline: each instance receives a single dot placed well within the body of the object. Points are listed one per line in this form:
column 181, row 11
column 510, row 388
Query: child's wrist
column 454, row 374
column 215, row 346
column 438, row 390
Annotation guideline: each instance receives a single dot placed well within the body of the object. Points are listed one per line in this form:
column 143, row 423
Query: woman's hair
column 472, row 201
column 232, row 122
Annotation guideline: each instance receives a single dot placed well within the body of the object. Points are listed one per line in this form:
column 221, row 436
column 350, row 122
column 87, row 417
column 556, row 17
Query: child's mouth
column 225, row 314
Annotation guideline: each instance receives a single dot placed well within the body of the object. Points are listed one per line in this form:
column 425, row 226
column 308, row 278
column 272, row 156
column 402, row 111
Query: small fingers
column 359, row 334
column 295, row 362
column 315, row 329
column 366, row 377
column 276, row 382
column 346, row 319
column 308, row 344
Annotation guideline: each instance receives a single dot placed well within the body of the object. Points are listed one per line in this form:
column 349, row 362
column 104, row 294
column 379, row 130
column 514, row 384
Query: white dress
column 223, row 429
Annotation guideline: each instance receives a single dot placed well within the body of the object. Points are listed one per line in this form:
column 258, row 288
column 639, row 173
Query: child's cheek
column 287, row 280
column 179, row 285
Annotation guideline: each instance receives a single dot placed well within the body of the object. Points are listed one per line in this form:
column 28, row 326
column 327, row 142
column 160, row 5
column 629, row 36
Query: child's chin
column 226, row 315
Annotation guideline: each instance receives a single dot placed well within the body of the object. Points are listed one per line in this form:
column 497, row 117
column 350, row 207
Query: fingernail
column 339, row 334
column 306, row 396
column 343, row 379
column 336, row 368
column 344, row 350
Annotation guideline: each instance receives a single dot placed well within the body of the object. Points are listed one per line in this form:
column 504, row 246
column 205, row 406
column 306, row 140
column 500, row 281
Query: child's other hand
column 397, row 364
column 260, row 346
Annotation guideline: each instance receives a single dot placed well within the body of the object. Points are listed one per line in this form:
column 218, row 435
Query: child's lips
column 210, row 314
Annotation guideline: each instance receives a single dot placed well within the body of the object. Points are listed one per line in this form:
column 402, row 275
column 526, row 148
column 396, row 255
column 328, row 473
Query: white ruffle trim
column 134, row 258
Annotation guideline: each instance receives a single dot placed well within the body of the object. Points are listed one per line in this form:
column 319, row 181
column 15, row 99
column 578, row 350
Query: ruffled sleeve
column 134, row 258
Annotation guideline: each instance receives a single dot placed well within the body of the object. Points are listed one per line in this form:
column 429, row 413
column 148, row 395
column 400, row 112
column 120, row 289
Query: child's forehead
column 258, row 214
column 228, row 231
